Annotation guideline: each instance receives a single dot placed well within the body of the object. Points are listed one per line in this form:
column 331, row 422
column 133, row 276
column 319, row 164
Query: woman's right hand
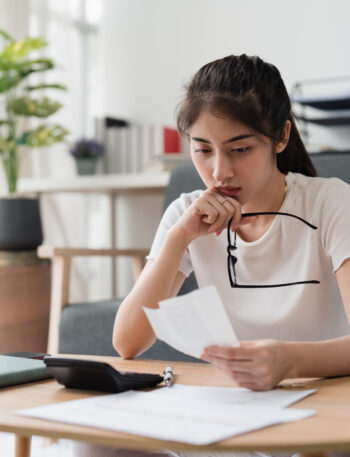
column 209, row 213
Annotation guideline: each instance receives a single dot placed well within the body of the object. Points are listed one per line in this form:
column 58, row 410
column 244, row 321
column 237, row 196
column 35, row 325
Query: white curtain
column 14, row 16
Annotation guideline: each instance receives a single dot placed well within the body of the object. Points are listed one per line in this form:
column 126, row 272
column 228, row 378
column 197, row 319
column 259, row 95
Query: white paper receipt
column 193, row 321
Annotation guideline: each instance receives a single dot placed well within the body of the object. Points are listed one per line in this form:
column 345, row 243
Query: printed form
column 187, row 414
column 193, row 321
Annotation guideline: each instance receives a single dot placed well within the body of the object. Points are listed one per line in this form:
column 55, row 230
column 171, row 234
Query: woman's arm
column 161, row 279
column 328, row 358
column 262, row 364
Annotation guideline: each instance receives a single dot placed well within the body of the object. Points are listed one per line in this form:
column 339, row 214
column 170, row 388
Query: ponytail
column 295, row 158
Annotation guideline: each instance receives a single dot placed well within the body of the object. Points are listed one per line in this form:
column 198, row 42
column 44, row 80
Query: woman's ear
column 281, row 145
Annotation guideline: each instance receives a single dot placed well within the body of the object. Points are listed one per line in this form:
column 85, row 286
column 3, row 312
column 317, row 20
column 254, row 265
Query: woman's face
column 234, row 159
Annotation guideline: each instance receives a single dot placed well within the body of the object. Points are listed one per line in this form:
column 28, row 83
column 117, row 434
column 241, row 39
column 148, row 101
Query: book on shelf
column 166, row 162
column 131, row 148
column 171, row 141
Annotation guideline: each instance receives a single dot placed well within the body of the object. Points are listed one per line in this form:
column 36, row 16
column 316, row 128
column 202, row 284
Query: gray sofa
column 92, row 333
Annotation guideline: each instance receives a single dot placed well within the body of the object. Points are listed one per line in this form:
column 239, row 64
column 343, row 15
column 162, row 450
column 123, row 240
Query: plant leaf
column 6, row 144
column 6, row 35
column 34, row 66
column 14, row 72
column 9, row 81
column 17, row 50
column 28, row 65
column 45, row 135
column 5, row 122
column 45, row 86
column 26, row 106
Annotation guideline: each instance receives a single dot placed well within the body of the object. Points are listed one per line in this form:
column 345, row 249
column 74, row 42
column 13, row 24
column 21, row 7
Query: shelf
column 332, row 97
column 330, row 153
column 336, row 102
column 335, row 121
column 113, row 184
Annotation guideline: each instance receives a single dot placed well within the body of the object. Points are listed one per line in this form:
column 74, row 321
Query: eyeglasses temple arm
column 268, row 212
column 277, row 212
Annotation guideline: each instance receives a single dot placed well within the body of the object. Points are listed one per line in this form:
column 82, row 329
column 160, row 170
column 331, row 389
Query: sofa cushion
column 87, row 328
column 332, row 164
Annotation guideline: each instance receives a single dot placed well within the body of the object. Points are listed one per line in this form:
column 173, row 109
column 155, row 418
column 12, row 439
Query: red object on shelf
column 171, row 140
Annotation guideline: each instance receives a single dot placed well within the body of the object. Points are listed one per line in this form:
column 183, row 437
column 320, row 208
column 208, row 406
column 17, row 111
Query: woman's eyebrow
column 238, row 137
column 231, row 140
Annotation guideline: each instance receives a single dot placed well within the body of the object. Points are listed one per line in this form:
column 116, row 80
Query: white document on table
column 193, row 321
column 166, row 415
column 233, row 396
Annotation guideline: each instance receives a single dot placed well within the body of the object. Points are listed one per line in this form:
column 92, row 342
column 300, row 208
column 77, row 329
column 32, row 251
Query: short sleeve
column 170, row 217
column 334, row 220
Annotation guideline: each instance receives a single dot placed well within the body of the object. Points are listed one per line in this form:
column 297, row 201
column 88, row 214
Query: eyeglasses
column 232, row 260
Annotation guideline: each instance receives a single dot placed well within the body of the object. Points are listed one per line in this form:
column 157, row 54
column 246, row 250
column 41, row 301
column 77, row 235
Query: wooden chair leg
column 22, row 445
column 59, row 298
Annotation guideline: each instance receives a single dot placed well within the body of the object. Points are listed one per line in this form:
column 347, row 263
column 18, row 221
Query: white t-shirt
column 289, row 251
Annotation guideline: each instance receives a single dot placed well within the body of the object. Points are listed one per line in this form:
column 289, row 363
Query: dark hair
column 251, row 91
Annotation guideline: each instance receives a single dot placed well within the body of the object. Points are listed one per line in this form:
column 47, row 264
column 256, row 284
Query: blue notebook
column 18, row 370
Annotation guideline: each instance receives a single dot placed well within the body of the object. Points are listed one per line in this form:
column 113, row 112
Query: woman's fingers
column 227, row 208
column 216, row 210
column 208, row 213
column 233, row 366
column 224, row 215
column 245, row 351
column 235, row 208
column 245, row 374
column 263, row 362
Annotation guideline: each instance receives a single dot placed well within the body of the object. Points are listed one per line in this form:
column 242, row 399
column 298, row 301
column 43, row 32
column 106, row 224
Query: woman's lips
column 229, row 190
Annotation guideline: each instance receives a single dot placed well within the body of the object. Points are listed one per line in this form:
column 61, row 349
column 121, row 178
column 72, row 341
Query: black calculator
column 100, row 376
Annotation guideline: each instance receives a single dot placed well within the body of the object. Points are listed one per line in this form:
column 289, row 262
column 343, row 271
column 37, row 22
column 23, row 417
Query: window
column 72, row 29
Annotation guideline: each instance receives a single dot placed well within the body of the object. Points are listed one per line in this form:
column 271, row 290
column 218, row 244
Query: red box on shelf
column 171, row 141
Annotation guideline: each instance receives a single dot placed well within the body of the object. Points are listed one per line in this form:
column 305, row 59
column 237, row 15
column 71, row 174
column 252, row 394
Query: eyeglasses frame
column 232, row 260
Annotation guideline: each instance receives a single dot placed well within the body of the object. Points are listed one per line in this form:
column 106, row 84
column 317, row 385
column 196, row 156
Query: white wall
column 154, row 46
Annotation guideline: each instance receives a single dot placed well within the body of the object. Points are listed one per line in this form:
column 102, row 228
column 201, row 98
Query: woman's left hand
column 256, row 365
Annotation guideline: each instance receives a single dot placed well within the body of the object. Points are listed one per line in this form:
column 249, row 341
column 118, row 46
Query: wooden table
column 328, row 430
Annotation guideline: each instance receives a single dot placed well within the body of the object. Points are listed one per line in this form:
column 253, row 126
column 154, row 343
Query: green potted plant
column 20, row 226
column 86, row 152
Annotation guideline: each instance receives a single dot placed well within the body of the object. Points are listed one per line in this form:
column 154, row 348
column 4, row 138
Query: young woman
column 287, row 288
column 246, row 148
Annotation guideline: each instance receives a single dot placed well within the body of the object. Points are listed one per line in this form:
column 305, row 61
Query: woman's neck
column 272, row 200
column 272, row 197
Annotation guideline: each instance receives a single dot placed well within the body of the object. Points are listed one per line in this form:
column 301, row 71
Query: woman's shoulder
column 319, row 199
column 311, row 187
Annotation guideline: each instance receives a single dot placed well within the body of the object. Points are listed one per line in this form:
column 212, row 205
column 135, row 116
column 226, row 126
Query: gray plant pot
column 86, row 166
column 20, row 224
